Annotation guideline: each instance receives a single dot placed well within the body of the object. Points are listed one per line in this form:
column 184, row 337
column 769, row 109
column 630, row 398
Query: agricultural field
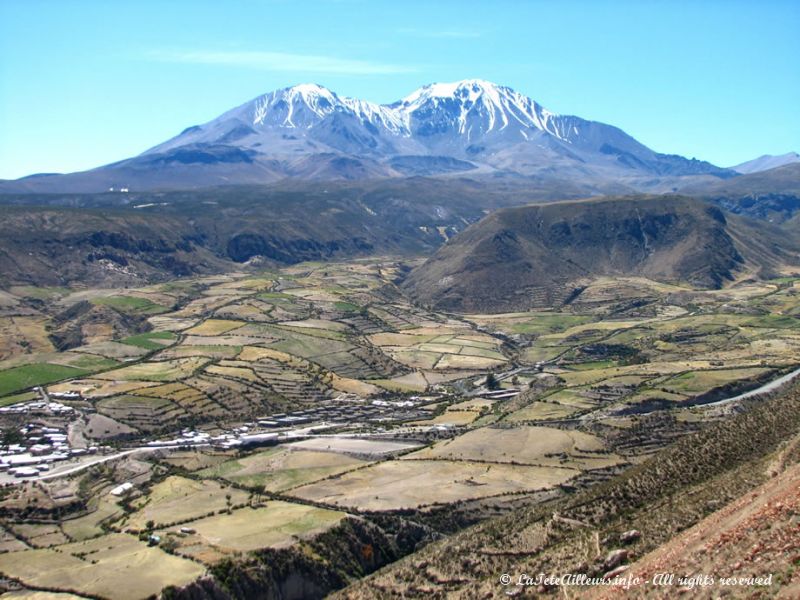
column 275, row 524
column 110, row 566
column 541, row 446
column 177, row 500
column 441, row 348
column 26, row 376
column 354, row 446
column 403, row 484
column 23, row 335
column 132, row 304
column 282, row 468
column 362, row 401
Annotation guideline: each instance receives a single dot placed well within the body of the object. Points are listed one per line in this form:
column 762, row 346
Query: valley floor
column 291, row 431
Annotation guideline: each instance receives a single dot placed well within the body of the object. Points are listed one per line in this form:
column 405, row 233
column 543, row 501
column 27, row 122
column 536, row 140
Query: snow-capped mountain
column 474, row 120
column 309, row 131
column 464, row 113
column 472, row 109
column 766, row 162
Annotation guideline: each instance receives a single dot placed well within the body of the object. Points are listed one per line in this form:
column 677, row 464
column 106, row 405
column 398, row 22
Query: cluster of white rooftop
column 41, row 447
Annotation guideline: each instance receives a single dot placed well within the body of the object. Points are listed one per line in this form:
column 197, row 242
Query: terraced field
column 109, row 566
column 390, row 407
column 403, row 484
column 280, row 469
column 274, row 525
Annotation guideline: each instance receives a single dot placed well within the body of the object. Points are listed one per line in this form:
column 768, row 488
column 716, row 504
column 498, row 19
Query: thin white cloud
column 280, row 61
column 445, row 34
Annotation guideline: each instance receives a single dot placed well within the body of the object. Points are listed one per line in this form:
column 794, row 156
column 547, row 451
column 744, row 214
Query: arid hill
column 120, row 239
column 537, row 256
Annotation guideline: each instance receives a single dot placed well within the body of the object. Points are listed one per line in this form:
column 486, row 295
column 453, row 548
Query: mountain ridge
column 766, row 162
column 544, row 255
column 309, row 132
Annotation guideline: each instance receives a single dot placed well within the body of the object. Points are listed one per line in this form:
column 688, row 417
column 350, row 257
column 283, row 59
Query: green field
column 548, row 323
column 39, row 293
column 155, row 340
column 20, row 378
column 131, row 305
column 13, row 399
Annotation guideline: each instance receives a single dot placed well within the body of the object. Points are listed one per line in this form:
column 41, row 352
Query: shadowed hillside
column 121, row 238
column 539, row 256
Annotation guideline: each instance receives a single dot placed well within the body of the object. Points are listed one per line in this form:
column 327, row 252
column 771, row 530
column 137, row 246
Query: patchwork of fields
column 395, row 408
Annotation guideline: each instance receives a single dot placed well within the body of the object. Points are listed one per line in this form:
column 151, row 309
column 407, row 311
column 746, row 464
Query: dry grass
column 212, row 327
column 525, row 445
column 110, row 566
column 412, row 483
column 179, row 499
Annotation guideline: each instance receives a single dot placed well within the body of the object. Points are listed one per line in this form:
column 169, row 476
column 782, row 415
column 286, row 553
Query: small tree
column 491, row 382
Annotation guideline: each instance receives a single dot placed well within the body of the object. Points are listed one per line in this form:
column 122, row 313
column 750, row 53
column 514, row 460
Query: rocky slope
column 772, row 195
column 540, row 256
column 68, row 238
column 754, row 537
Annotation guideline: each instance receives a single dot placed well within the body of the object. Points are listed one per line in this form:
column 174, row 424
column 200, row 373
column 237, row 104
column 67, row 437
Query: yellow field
column 412, row 483
column 167, row 370
column 254, row 353
column 213, row 327
column 526, row 445
column 277, row 524
column 114, row 566
column 352, row 386
column 234, row 372
column 450, row 417
column 476, row 404
column 179, row 499
column 21, row 335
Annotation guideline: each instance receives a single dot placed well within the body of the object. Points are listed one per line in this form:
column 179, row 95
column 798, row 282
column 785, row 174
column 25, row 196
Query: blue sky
column 83, row 83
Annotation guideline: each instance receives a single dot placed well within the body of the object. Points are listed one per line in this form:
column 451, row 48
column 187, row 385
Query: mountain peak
column 308, row 88
column 467, row 89
column 455, row 88
column 766, row 162
column 301, row 105
column 475, row 107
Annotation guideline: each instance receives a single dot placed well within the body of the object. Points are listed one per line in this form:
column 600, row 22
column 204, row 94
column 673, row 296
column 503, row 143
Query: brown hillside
column 542, row 255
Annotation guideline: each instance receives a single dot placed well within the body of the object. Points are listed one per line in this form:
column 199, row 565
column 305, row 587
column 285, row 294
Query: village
column 42, row 440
